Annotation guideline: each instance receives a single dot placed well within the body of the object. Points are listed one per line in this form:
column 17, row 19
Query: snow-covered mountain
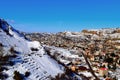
column 30, row 55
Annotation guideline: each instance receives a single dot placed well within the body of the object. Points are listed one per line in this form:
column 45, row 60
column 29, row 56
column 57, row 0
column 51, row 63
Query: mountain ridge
column 25, row 55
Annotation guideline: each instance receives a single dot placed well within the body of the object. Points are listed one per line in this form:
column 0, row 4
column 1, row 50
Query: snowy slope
column 63, row 55
column 36, row 61
column 40, row 67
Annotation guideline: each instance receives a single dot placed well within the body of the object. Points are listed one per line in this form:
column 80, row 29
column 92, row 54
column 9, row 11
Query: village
column 101, row 48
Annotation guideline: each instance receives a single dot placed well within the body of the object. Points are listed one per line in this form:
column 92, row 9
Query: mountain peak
column 4, row 25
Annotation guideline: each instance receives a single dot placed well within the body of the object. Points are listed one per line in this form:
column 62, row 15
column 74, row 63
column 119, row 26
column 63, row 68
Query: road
column 87, row 61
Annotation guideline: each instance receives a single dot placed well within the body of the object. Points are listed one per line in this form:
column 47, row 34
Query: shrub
column 27, row 74
column 11, row 63
column 1, row 49
column 1, row 44
column 12, row 50
column 34, row 49
column 5, row 58
column 3, row 76
column 17, row 76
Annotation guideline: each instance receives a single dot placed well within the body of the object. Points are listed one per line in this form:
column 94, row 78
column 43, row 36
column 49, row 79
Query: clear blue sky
column 60, row 15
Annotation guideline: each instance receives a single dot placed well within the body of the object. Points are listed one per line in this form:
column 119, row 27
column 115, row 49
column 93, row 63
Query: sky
column 60, row 15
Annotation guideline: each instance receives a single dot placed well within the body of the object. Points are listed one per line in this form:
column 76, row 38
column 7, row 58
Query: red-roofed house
column 103, row 71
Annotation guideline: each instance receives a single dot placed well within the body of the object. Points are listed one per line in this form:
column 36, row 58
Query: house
column 107, row 78
column 95, row 69
column 117, row 46
column 103, row 71
column 92, row 58
column 96, row 58
column 100, row 46
column 73, row 68
column 82, row 68
column 76, row 62
column 96, row 53
column 105, row 64
column 118, row 61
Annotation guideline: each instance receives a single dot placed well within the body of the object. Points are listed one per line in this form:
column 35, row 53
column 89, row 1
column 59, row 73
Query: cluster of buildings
column 101, row 47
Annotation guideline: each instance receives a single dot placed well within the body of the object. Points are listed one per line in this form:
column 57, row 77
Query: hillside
column 85, row 55
column 20, row 56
